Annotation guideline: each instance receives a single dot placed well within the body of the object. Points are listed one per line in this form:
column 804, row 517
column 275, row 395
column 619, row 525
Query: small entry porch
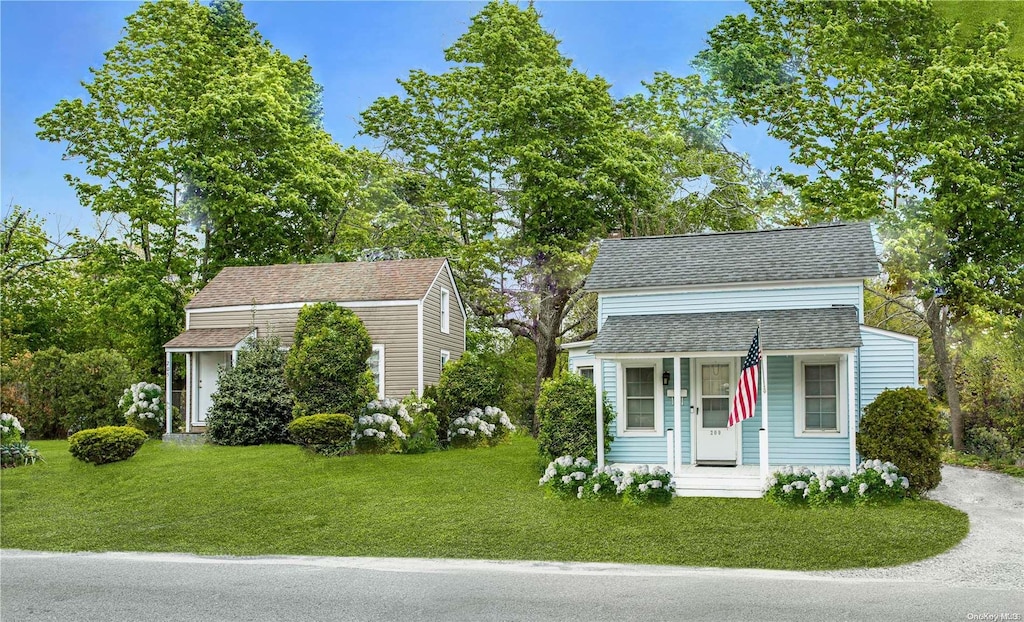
column 206, row 351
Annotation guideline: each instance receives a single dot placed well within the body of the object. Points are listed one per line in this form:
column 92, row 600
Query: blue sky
column 357, row 50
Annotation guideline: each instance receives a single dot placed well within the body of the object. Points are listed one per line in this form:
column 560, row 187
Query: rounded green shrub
column 327, row 367
column 567, row 412
column 252, row 404
column 327, row 434
column 106, row 444
column 90, row 385
column 902, row 426
column 465, row 384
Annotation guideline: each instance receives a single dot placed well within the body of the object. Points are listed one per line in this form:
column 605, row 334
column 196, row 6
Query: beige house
column 410, row 307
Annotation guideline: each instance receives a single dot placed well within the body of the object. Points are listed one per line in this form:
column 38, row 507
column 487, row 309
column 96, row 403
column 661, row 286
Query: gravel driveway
column 992, row 554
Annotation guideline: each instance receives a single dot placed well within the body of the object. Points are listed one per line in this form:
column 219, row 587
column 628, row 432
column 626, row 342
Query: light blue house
column 677, row 313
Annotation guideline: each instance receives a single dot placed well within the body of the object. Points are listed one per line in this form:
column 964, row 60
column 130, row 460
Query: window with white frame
column 376, row 364
column 587, row 372
column 445, row 357
column 821, row 395
column 445, row 296
column 640, row 404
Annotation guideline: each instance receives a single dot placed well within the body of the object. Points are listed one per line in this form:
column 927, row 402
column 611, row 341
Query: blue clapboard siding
column 887, row 362
column 684, row 419
column 784, row 447
column 729, row 300
column 751, row 430
column 632, row 449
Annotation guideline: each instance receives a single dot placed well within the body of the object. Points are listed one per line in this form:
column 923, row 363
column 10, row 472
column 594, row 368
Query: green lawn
column 468, row 503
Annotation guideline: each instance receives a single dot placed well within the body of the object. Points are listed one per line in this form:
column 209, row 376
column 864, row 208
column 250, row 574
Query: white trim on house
column 622, row 420
column 889, row 333
column 445, row 310
column 759, row 285
column 599, row 399
column 298, row 305
column 572, row 345
column 379, row 349
column 851, row 380
column 419, row 348
column 446, row 356
column 843, row 393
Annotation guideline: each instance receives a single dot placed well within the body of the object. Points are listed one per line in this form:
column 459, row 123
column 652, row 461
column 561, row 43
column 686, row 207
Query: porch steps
column 700, row 481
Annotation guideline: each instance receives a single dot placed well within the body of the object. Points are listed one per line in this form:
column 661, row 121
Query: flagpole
column 763, row 396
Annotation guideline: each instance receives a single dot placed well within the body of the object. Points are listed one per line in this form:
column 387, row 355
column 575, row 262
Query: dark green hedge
column 902, row 426
column 328, row 434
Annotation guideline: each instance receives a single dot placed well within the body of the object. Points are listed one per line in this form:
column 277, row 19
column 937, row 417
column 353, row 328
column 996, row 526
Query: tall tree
column 527, row 156
column 904, row 120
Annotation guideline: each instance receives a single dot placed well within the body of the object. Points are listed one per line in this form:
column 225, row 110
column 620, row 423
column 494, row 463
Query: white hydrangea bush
column 488, row 426
column 874, row 481
column 143, row 407
column 567, row 476
column 11, row 429
column 577, row 477
column 645, row 485
column 382, row 427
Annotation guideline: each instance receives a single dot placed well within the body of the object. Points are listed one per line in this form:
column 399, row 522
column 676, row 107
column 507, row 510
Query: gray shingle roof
column 209, row 338
column 824, row 252
column 404, row 279
column 787, row 329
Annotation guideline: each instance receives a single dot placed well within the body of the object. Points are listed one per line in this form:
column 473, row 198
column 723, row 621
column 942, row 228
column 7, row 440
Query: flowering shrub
column 490, row 426
column 877, row 481
column 570, row 477
column 567, row 476
column 874, row 481
column 645, row 485
column 601, row 485
column 143, row 407
column 10, row 429
column 379, row 429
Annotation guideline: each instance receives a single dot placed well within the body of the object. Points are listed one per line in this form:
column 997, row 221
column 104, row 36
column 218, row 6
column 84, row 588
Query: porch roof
column 782, row 329
column 195, row 338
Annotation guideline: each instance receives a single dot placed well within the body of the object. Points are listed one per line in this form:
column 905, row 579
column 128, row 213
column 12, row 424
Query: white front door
column 209, row 364
column 715, row 383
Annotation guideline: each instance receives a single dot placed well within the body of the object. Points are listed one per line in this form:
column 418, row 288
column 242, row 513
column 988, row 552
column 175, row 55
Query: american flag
column 746, row 390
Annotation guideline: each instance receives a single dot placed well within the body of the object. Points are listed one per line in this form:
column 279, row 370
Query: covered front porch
column 670, row 380
column 205, row 352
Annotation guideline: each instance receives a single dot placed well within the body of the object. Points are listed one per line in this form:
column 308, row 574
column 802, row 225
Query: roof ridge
column 830, row 225
column 337, row 263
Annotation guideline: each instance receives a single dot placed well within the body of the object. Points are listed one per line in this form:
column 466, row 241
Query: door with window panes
column 716, row 441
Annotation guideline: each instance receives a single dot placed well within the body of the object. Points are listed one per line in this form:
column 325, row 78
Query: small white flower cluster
column 142, row 400
column 888, row 471
column 10, row 423
column 390, row 406
column 487, row 423
column 377, row 425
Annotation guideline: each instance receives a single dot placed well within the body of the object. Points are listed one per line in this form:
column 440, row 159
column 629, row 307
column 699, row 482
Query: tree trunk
column 938, row 323
column 549, row 324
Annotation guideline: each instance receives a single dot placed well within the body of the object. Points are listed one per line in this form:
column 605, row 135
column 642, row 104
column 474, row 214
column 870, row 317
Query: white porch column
column 763, row 432
column 167, row 391
column 598, row 382
column 190, row 381
column 677, row 412
column 851, row 384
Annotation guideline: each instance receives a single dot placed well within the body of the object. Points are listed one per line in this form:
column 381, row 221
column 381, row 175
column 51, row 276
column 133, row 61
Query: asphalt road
column 129, row 586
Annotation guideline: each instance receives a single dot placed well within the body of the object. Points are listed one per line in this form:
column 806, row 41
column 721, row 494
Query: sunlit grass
column 481, row 503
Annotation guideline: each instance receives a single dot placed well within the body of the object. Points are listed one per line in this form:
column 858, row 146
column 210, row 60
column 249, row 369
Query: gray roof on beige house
column 732, row 331
column 355, row 281
column 209, row 338
column 844, row 250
